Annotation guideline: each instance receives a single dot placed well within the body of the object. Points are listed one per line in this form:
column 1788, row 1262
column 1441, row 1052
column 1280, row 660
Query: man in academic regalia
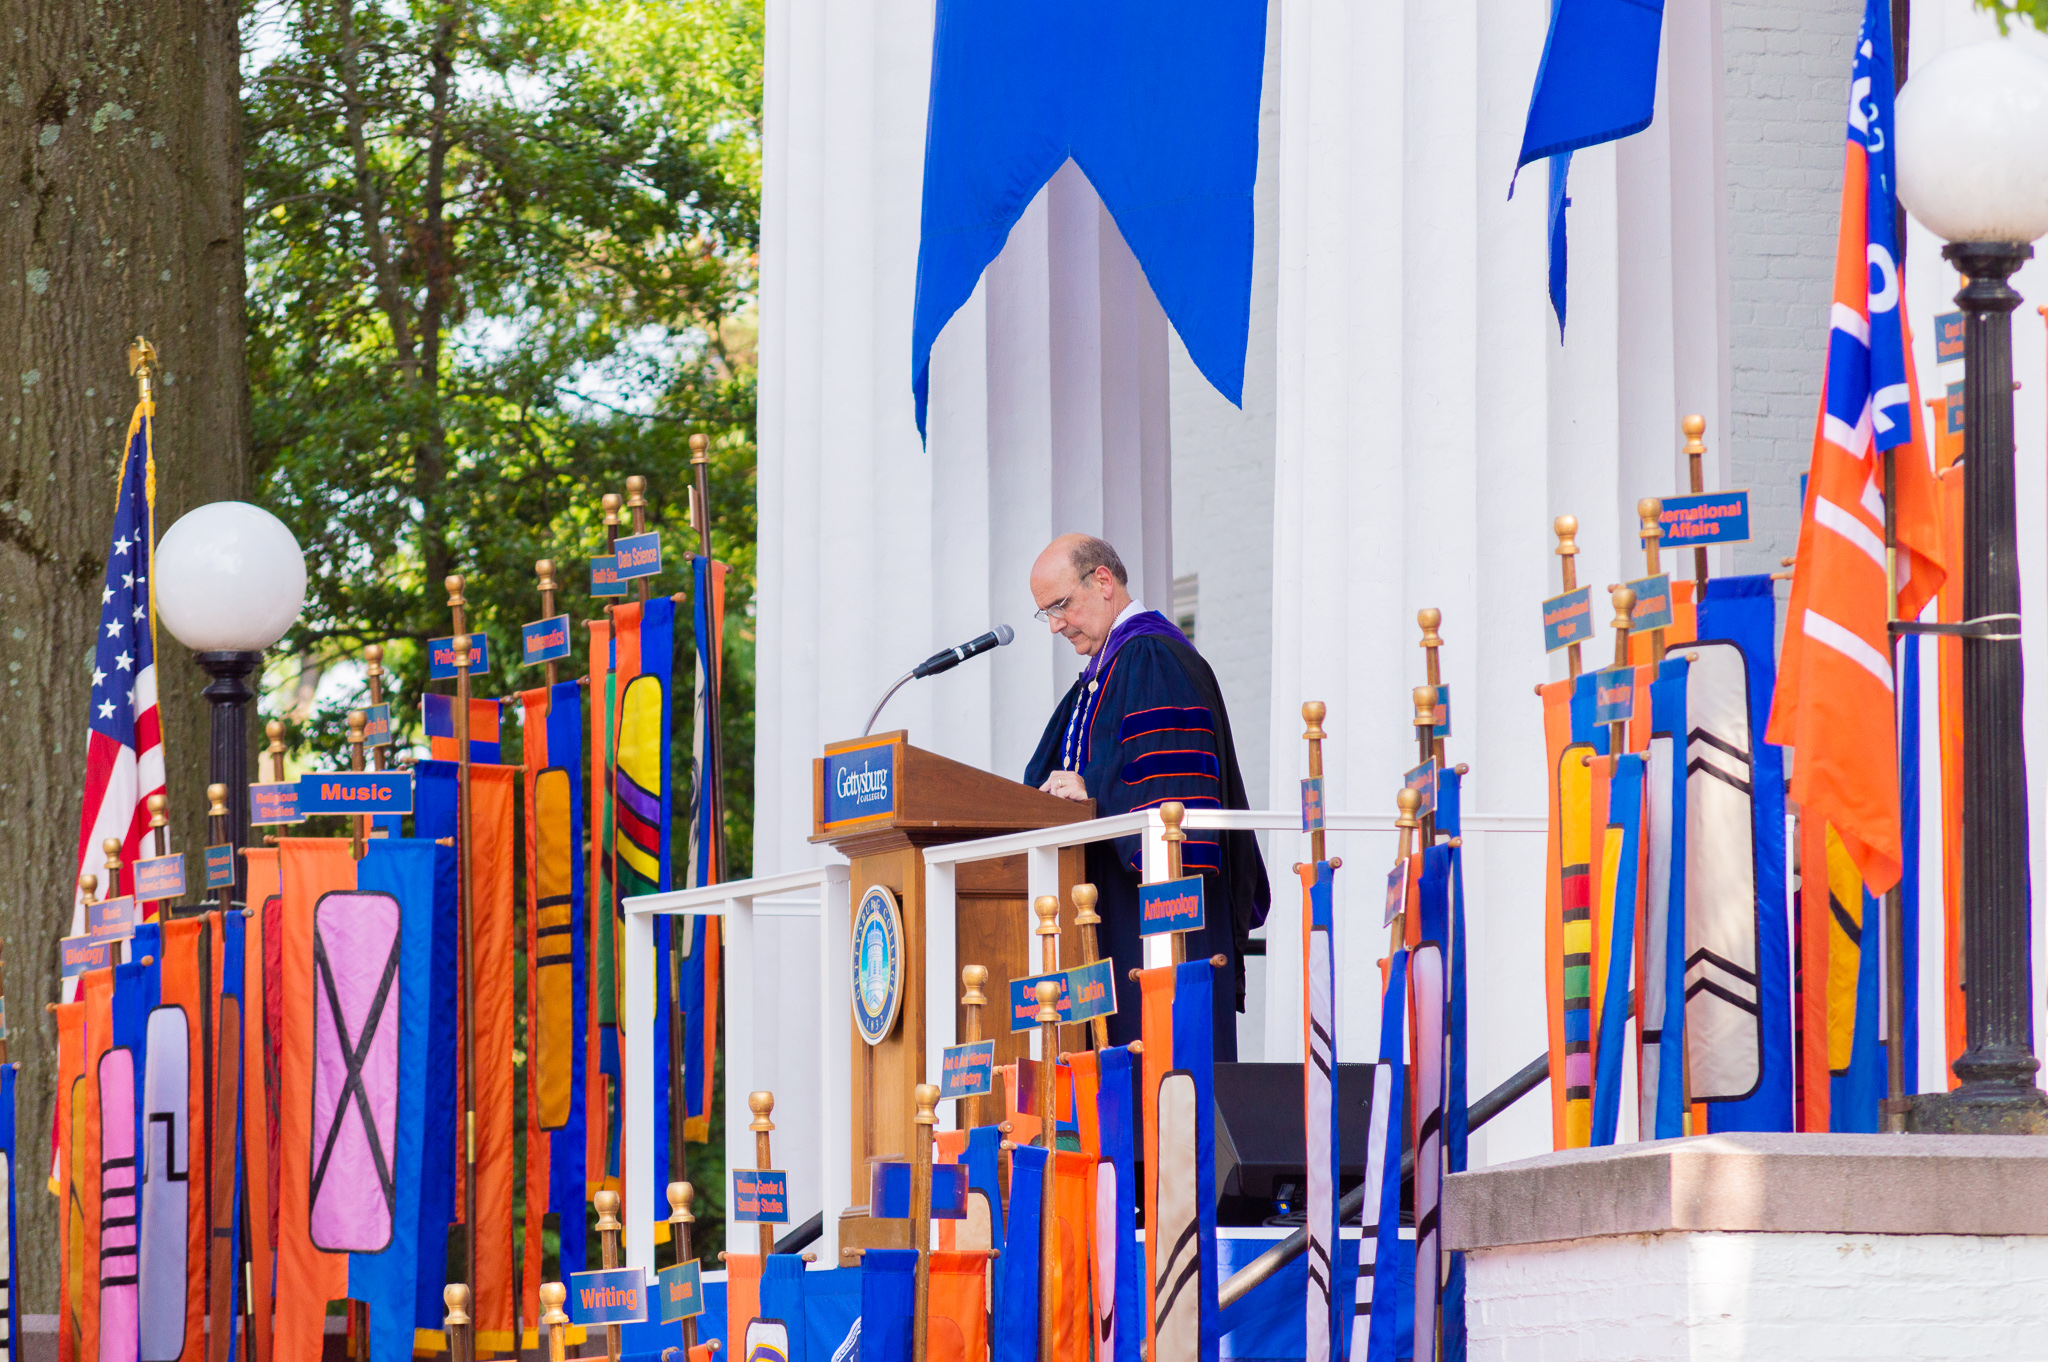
column 1145, row 725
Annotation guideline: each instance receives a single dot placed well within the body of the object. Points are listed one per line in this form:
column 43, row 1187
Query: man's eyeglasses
column 1058, row 609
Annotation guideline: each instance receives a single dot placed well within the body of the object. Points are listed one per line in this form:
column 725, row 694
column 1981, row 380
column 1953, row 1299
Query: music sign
column 109, row 919
column 441, row 656
column 1706, row 518
column 760, row 1196
column 544, row 640
column 1568, row 619
column 356, row 792
column 1170, row 906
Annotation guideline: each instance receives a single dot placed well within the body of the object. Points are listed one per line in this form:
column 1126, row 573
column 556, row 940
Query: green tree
column 501, row 256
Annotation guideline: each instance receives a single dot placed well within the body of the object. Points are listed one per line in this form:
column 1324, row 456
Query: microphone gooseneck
column 943, row 662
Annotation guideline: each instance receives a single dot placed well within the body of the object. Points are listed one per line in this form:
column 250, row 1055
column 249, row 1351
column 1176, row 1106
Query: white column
column 636, row 1034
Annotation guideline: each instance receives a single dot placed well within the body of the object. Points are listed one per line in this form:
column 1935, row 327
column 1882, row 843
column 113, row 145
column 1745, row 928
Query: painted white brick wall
column 1720, row 1297
column 1786, row 103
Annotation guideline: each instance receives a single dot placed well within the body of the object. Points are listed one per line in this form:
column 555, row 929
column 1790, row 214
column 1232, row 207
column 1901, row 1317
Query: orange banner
column 1070, row 1240
column 1155, row 1027
column 533, row 708
column 190, row 957
column 259, row 1096
column 493, row 790
column 596, row 1103
column 66, row 1183
column 742, row 1292
column 307, row 1278
column 957, row 1296
column 96, row 990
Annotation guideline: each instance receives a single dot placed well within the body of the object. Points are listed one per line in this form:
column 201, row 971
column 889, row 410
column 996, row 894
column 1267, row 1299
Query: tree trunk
column 121, row 130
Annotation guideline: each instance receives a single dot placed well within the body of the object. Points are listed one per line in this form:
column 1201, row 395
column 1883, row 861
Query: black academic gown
column 1160, row 733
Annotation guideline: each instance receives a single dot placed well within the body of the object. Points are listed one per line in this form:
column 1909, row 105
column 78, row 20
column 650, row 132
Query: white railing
column 825, row 895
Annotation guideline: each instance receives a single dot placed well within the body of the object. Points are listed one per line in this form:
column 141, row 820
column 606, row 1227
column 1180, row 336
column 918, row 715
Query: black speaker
column 1261, row 1145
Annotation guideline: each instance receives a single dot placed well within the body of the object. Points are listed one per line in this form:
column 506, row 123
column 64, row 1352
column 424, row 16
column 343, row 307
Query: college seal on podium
column 877, row 964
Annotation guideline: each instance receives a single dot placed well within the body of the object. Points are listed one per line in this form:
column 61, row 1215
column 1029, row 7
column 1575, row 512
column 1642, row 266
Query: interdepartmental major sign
column 877, row 964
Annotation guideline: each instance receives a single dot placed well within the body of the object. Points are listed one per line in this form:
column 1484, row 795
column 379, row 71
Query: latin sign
column 1708, row 518
column 1422, row 780
column 1312, row 804
column 220, row 866
column 681, row 1292
column 1397, row 892
column 1086, row 992
column 967, row 1070
column 1568, row 619
column 638, row 555
column 1614, row 695
column 377, row 726
column 161, row 877
column 612, row 1296
column 356, row 792
column 1948, row 337
column 271, row 804
column 1170, row 906
column 441, row 656
column 109, row 919
column 860, row 784
column 604, row 576
column 544, row 640
column 1653, row 602
column 81, row 953
column 760, row 1196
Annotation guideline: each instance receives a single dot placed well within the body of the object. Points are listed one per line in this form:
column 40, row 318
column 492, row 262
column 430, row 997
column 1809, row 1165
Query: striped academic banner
column 352, row 1196
column 166, row 1184
column 1176, row 1293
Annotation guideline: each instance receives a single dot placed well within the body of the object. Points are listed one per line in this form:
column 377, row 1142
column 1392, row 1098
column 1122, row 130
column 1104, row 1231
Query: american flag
column 124, row 762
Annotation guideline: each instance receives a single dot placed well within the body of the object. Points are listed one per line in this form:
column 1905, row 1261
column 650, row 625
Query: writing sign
column 1312, row 804
column 377, row 726
column 161, row 877
column 860, row 783
column 356, row 792
column 681, row 1292
column 1614, row 695
column 109, row 919
column 1397, row 892
column 271, row 804
column 441, row 656
column 604, row 576
column 760, row 1196
column 1653, row 602
column 637, row 555
column 967, row 1070
column 1422, row 780
column 1948, row 337
column 611, row 1296
column 81, row 953
column 220, row 866
column 1706, row 518
column 1170, row 906
column 544, row 640
column 1568, row 619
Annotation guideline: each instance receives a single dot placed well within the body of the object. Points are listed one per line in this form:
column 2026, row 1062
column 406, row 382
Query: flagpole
column 714, row 744
column 1086, row 919
column 608, row 848
column 545, row 570
column 1894, row 898
column 1695, row 456
column 1567, row 528
column 1648, row 511
column 465, row 912
column 1429, row 619
column 1407, row 801
column 1624, row 616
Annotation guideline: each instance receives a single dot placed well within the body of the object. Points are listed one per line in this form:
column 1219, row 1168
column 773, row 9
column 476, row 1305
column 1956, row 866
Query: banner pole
column 1567, row 528
column 1648, row 511
column 466, row 914
column 1624, row 616
column 1695, row 457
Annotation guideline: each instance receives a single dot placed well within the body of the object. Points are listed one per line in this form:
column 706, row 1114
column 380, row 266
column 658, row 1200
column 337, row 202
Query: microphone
column 944, row 662
column 953, row 657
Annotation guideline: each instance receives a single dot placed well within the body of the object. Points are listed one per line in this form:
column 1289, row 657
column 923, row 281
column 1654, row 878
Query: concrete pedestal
column 1759, row 1246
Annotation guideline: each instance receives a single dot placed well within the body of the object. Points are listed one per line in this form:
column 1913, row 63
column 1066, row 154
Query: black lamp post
column 227, row 699
column 1973, row 168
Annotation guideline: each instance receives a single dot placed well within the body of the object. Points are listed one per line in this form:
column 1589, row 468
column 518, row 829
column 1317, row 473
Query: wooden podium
column 878, row 800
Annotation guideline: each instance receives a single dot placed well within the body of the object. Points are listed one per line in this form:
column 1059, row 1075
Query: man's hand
column 1065, row 784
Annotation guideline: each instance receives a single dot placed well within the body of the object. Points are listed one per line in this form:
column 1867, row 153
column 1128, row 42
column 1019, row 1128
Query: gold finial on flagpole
column 156, row 805
column 1048, row 995
column 636, row 502
column 610, row 503
column 216, row 816
column 681, row 1223
column 1171, row 813
column 971, row 1002
column 1695, row 456
column 142, row 367
column 216, row 801
column 554, row 1321
column 607, row 1204
column 925, row 1099
column 1424, row 698
column 1047, row 909
column 1431, row 619
column 88, row 885
column 1652, row 531
column 544, row 569
column 110, row 849
column 274, row 730
column 1313, row 713
column 762, row 1104
column 1567, row 528
column 1624, row 617
column 457, row 1322
column 373, row 665
column 1086, row 920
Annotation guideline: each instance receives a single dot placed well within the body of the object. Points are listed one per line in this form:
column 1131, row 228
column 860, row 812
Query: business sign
column 1170, row 906
column 108, row 920
column 356, row 792
column 1705, row 518
column 1086, row 992
column 860, row 784
column 1312, row 804
column 877, row 964
column 637, row 555
column 1653, row 602
column 604, row 576
column 1397, row 892
column 1948, row 337
column 967, row 1070
column 441, row 656
column 77, row 954
column 1422, row 780
column 1614, row 695
column 274, row 804
column 1568, row 619
column 220, row 866
column 760, row 1196
column 889, row 1190
column 616, row 1295
column 544, row 640
column 680, row 1289
column 377, row 726
column 161, row 877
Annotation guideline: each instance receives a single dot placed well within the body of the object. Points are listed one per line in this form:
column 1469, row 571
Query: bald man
column 1144, row 725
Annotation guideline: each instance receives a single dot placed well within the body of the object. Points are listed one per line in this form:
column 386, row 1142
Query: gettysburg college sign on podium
column 878, row 800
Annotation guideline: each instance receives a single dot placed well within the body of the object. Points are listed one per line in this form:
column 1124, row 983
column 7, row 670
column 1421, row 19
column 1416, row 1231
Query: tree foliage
column 2034, row 12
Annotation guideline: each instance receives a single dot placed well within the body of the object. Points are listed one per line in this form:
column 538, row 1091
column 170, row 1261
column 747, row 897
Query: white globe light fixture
column 230, row 580
column 1972, row 160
